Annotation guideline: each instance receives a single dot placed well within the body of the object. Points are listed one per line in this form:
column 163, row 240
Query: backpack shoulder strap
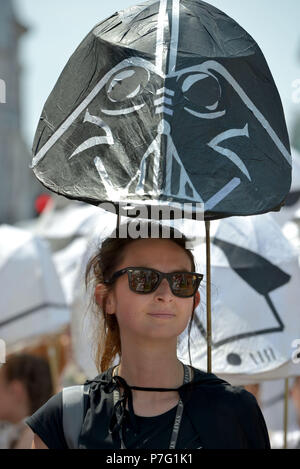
column 73, row 409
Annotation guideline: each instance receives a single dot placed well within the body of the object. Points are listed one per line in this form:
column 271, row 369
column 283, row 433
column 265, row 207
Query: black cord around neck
column 138, row 388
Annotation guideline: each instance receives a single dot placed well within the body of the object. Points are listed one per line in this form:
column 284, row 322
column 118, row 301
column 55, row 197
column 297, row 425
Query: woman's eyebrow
column 183, row 269
column 179, row 269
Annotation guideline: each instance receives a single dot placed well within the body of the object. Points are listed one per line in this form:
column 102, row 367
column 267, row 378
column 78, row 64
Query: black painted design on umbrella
column 261, row 275
column 257, row 357
column 167, row 101
column 234, row 359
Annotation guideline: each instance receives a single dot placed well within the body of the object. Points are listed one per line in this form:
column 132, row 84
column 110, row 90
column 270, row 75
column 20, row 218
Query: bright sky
column 58, row 26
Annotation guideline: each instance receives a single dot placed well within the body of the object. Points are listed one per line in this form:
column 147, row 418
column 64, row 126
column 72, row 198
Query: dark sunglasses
column 144, row 280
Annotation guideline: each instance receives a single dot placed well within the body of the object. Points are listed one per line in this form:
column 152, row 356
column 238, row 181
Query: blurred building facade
column 18, row 185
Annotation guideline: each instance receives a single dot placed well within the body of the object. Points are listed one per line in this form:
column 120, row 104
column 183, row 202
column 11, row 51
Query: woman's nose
column 164, row 291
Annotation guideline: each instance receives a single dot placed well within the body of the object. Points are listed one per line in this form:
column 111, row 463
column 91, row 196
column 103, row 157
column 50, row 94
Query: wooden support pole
column 286, row 409
column 208, row 297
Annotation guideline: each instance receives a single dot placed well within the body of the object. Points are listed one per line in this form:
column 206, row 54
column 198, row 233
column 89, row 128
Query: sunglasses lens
column 143, row 281
column 184, row 284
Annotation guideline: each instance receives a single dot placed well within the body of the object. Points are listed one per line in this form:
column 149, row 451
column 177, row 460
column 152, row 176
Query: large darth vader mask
column 168, row 101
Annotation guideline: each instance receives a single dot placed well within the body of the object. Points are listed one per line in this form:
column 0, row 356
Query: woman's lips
column 162, row 315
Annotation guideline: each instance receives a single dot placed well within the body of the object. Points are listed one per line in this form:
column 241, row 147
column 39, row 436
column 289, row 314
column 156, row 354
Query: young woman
column 146, row 291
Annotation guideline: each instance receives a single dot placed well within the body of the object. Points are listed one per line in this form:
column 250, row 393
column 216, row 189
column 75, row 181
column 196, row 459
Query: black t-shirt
column 155, row 432
column 46, row 422
column 216, row 415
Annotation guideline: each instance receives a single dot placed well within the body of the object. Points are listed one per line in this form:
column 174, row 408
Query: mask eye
column 127, row 84
column 202, row 90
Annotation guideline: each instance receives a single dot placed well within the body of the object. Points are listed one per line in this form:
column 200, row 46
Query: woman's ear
column 103, row 293
column 100, row 291
column 196, row 300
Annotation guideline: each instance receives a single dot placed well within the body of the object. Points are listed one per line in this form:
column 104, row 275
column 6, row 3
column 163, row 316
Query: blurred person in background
column 293, row 435
column 25, row 385
column 255, row 390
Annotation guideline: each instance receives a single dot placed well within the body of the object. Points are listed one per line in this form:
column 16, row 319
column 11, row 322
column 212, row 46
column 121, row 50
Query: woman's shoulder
column 53, row 406
column 216, row 400
column 205, row 378
column 64, row 410
column 216, row 386
column 46, row 422
column 227, row 399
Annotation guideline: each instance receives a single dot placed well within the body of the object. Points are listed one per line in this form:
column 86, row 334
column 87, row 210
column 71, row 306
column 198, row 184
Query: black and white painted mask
column 168, row 101
column 255, row 302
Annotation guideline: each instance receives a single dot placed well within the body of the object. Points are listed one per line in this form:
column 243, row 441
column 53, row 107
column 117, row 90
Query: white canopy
column 291, row 209
column 255, row 302
column 32, row 302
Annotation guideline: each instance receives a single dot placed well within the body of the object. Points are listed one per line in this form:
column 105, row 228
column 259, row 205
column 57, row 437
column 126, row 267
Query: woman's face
column 137, row 313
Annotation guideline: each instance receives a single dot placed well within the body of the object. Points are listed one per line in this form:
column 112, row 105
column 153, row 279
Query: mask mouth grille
column 164, row 102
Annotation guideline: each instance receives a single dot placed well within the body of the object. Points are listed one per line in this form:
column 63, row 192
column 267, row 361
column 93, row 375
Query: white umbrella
column 255, row 302
column 82, row 330
column 67, row 262
column 32, row 302
column 291, row 209
column 61, row 225
column 67, row 231
column 291, row 231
